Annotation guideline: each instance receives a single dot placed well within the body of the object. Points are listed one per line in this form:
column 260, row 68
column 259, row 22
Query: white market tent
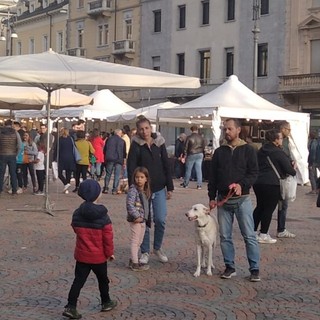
column 233, row 99
column 149, row 112
column 105, row 104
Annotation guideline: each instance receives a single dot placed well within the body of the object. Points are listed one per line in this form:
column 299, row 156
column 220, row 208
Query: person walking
column 282, row 232
column 194, row 153
column 179, row 168
column 138, row 205
column 94, row 247
column 234, row 169
column 114, row 156
column 313, row 161
column 148, row 150
column 267, row 186
column 10, row 145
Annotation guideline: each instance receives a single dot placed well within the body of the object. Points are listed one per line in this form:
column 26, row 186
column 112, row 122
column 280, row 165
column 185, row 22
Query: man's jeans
column 12, row 165
column 244, row 215
column 159, row 205
column 110, row 166
column 196, row 161
column 282, row 215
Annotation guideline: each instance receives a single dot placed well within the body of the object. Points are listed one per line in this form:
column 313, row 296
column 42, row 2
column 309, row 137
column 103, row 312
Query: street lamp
column 10, row 34
column 255, row 31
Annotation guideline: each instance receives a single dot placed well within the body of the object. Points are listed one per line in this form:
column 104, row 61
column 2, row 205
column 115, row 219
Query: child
column 138, row 208
column 94, row 246
column 40, row 170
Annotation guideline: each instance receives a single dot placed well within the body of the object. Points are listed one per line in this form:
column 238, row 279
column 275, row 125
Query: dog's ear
column 206, row 210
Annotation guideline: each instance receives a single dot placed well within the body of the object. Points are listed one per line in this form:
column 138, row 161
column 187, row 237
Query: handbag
column 76, row 153
column 25, row 157
column 288, row 186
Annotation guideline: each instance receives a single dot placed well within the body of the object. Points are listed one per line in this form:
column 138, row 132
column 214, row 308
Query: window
column 60, row 45
column 315, row 3
column 45, row 3
column 80, row 4
column 80, row 31
column 182, row 16
column 262, row 60
column 205, row 12
column 156, row 63
column 264, row 7
column 103, row 34
column 230, row 10
column 181, row 63
column 157, row 21
column 229, row 61
column 128, row 29
column 31, row 46
column 205, row 61
column 45, row 43
column 315, row 56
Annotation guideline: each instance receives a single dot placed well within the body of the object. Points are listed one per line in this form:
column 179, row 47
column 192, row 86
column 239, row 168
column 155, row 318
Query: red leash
column 226, row 198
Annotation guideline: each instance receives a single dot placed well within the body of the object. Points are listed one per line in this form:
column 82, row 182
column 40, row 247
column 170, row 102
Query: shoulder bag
column 288, row 186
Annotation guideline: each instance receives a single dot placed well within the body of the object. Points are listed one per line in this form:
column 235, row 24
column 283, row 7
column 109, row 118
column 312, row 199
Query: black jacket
column 228, row 165
column 115, row 150
column 155, row 159
column 280, row 160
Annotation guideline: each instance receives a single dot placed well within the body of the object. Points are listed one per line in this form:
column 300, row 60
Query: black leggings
column 267, row 200
column 82, row 271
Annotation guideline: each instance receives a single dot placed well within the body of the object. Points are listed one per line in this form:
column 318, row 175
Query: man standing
column 234, row 169
column 313, row 160
column 194, row 153
column 179, row 168
column 148, row 150
column 10, row 145
column 114, row 156
column 285, row 129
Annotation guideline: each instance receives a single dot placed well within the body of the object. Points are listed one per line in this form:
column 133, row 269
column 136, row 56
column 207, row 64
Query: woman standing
column 85, row 148
column 65, row 157
column 267, row 186
column 30, row 153
column 97, row 144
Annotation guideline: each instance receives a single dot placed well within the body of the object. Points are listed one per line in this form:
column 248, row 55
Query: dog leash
column 226, row 198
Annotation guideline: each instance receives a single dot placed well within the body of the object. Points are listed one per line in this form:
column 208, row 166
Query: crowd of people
column 141, row 158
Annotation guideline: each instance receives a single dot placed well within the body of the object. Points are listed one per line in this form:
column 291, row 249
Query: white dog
column 206, row 228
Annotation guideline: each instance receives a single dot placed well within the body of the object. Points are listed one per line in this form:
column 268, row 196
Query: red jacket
column 98, row 144
column 93, row 228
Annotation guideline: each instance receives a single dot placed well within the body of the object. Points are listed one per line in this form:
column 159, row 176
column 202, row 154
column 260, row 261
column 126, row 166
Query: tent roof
column 232, row 99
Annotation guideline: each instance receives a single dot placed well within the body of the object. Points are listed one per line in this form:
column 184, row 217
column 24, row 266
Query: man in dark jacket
column 10, row 145
column 148, row 150
column 178, row 156
column 114, row 157
column 234, row 169
column 194, row 153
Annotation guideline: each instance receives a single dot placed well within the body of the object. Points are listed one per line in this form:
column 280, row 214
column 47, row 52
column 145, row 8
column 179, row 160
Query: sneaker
column 105, row 190
column 66, row 187
column 144, row 259
column 254, row 276
column 107, row 306
column 161, row 256
column 286, row 234
column 257, row 235
column 139, row 266
column 183, row 185
column 228, row 273
column 10, row 191
column 38, row 193
column 199, row 187
column 71, row 313
column 265, row 238
column 19, row 191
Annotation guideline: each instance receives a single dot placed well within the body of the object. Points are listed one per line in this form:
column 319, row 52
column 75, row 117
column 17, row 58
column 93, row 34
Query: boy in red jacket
column 94, row 247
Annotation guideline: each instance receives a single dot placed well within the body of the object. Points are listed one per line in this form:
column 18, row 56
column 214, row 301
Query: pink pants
column 137, row 234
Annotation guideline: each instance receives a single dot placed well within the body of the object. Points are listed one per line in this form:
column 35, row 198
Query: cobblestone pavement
column 37, row 265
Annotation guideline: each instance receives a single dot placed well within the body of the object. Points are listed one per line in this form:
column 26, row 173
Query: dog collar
column 203, row 225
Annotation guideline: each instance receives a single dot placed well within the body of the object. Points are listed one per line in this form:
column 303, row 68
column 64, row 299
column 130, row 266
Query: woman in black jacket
column 267, row 186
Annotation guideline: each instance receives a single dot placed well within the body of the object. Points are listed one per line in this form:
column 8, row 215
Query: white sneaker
column 66, row 187
column 144, row 259
column 265, row 238
column 10, row 191
column 19, row 191
column 286, row 234
column 162, row 257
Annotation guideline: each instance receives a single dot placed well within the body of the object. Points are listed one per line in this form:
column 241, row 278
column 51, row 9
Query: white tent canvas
column 234, row 100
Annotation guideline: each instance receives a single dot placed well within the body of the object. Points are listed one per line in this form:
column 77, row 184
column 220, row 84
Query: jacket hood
column 268, row 148
column 158, row 139
column 241, row 143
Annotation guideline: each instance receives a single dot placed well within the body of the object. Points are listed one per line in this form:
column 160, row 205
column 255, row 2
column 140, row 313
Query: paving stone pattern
column 37, row 265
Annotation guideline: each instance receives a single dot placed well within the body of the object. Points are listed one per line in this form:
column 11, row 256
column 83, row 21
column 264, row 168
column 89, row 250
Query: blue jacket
column 115, row 150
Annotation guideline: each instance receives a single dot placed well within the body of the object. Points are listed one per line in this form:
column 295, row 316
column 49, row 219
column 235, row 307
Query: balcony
column 123, row 47
column 77, row 52
column 99, row 7
column 300, row 83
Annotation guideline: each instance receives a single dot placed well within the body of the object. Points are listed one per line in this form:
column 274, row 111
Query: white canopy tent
column 234, row 100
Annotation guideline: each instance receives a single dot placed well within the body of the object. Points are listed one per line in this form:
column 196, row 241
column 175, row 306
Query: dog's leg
column 210, row 264
column 203, row 256
column 199, row 252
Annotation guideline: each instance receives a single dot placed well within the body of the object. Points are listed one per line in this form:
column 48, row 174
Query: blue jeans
column 196, row 161
column 282, row 215
column 12, row 165
column 159, row 205
column 96, row 169
column 110, row 167
column 245, row 220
